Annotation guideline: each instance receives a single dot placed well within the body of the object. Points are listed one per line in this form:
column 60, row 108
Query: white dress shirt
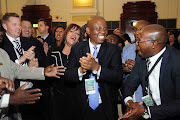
column 30, row 84
column 94, row 71
column 153, row 78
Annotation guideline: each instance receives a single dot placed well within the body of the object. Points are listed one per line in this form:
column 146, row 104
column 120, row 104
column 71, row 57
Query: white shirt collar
column 45, row 36
column 91, row 47
column 154, row 58
column 12, row 39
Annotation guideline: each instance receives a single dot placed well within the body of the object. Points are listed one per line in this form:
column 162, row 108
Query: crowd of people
column 82, row 73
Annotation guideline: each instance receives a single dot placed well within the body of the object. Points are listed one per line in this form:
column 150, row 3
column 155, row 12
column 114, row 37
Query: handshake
column 88, row 63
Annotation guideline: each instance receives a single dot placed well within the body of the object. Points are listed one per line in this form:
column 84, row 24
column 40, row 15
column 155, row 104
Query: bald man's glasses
column 143, row 41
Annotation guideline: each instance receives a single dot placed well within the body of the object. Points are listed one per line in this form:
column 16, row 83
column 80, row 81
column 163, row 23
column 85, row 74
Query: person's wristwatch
column 146, row 114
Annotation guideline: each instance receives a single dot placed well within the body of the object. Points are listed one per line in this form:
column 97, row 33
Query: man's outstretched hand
column 21, row 96
column 52, row 71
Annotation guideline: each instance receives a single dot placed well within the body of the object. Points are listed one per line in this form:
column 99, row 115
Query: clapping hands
column 88, row 63
column 134, row 111
column 128, row 65
column 29, row 54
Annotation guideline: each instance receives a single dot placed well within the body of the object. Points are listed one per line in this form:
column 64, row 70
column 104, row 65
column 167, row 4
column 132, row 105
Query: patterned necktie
column 148, row 62
column 94, row 98
column 18, row 48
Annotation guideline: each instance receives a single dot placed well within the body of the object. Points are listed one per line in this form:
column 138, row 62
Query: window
column 167, row 23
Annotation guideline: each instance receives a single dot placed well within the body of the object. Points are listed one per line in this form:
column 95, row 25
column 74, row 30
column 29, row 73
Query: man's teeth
column 101, row 37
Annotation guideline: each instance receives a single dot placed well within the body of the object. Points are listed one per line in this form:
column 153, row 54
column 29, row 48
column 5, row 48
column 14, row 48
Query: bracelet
column 98, row 67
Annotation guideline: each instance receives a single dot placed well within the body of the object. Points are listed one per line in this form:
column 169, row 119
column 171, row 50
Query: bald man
column 106, row 69
column 161, row 93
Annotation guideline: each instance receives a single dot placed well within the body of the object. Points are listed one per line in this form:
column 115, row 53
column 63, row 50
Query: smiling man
column 17, row 47
column 158, row 71
column 95, row 65
column 26, row 28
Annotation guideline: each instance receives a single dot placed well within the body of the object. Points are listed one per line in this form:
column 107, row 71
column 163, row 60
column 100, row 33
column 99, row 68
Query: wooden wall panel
column 132, row 11
column 35, row 12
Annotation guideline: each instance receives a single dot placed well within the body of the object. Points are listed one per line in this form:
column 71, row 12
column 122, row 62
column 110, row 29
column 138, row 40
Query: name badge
column 90, row 86
column 148, row 100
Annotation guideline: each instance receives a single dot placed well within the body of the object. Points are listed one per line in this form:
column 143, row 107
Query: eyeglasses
column 142, row 41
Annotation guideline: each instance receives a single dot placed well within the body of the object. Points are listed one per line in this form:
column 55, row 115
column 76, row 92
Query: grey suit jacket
column 11, row 70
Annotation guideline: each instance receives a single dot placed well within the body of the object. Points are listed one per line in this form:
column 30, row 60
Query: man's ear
column 4, row 26
column 47, row 27
column 87, row 30
column 154, row 44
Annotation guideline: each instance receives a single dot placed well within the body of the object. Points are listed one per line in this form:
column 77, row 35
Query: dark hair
column 6, row 17
column 76, row 27
column 119, row 39
column 45, row 21
column 57, row 28
column 26, row 20
column 1, row 28
column 84, row 28
column 84, row 31
column 126, row 36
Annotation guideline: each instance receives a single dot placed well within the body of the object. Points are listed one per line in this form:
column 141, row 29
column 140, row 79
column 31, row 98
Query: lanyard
column 149, row 72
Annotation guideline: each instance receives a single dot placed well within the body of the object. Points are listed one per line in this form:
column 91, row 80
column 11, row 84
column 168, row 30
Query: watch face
column 146, row 116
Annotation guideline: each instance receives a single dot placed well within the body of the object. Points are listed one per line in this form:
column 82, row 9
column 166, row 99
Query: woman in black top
column 61, row 102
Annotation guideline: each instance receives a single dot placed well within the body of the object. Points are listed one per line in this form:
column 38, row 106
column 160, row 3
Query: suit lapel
column 164, row 64
column 9, row 48
column 102, row 51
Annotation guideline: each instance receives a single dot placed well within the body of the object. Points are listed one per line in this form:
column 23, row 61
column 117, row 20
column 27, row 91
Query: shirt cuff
column 128, row 98
column 43, row 72
column 80, row 74
column 97, row 72
column 5, row 101
column 16, row 61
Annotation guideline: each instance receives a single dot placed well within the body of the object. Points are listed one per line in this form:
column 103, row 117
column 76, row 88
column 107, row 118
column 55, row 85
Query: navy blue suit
column 169, row 82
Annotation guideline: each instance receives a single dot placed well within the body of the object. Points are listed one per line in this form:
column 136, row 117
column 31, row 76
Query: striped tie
column 18, row 48
column 148, row 62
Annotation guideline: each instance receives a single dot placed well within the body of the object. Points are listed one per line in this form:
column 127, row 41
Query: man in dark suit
column 24, row 58
column 160, row 84
column 43, row 30
column 106, row 68
column 26, row 31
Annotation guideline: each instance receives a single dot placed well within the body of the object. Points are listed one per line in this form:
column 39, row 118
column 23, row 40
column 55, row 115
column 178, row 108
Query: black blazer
column 109, row 58
column 50, row 40
column 9, row 48
column 26, row 43
column 169, row 83
column 39, row 50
